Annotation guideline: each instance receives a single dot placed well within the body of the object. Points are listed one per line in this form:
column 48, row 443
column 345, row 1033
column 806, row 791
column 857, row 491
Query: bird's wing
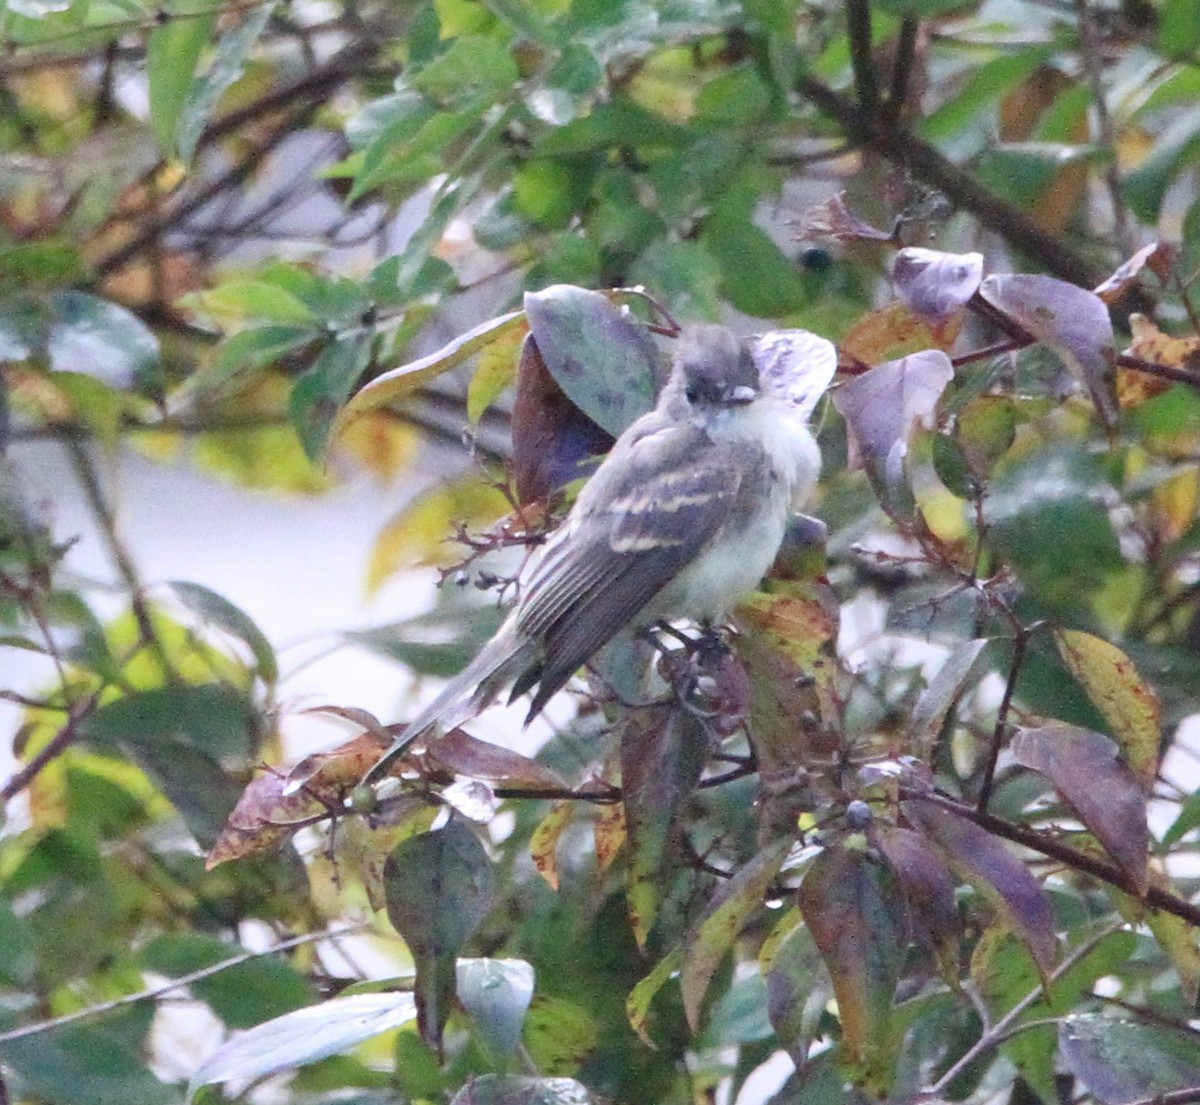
column 636, row 526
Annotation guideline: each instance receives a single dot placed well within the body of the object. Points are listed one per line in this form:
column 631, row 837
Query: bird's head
column 713, row 369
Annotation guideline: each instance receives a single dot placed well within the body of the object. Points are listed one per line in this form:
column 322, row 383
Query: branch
column 858, row 27
column 1001, row 1030
column 174, row 984
column 928, row 165
column 1156, row 897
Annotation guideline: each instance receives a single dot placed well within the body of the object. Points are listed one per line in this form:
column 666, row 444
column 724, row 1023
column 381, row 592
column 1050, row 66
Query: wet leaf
column 1121, row 1060
column 854, row 906
column 496, row 993
column 1004, row 881
column 543, row 844
column 798, row 990
column 497, row 1089
column 883, row 409
column 929, row 889
column 1070, row 320
column 605, row 362
column 96, row 338
column 1127, row 702
column 397, row 384
column 933, row 284
column 553, row 439
column 305, row 1036
column 728, row 912
column 795, row 365
column 439, row 886
column 1087, row 771
column 663, row 749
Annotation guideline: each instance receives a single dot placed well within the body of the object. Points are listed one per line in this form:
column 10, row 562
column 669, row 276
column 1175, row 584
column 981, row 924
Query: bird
column 681, row 520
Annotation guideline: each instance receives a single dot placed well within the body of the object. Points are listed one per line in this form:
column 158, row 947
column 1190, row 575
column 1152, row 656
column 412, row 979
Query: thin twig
column 998, row 733
column 999, row 1031
column 175, row 984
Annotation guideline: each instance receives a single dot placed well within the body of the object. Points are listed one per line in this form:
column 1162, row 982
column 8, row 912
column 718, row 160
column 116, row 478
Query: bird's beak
column 741, row 395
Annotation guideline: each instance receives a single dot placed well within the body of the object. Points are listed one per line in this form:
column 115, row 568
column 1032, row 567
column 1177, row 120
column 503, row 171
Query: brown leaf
column 265, row 818
column 893, row 331
column 834, row 219
column 1087, row 771
column 1151, row 344
column 1159, row 257
column 552, row 437
column 883, row 409
column 462, row 754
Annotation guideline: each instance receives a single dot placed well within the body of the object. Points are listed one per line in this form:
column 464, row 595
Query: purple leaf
column 795, row 365
column 1072, row 321
column 1087, row 770
column 933, row 284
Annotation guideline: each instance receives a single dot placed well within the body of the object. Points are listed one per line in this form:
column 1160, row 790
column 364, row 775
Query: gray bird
column 682, row 519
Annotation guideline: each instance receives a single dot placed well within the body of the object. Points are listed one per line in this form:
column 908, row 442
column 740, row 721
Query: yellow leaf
column 1128, row 703
column 893, row 331
column 543, row 845
column 496, row 370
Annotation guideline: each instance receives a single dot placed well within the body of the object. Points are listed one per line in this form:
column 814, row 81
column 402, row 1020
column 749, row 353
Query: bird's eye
column 692, row 393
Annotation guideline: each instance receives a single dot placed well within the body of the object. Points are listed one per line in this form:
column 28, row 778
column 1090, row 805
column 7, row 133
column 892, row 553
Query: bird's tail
column 501, row 661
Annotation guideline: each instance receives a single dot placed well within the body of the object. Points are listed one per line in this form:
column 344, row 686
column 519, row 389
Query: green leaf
column 242, row 995
column 663, row 750
column 438, row 886
column 213, row 717
column 525, row 18
column 93, row 1064
column 261, row 300
column 798, row 989
column 321, row 392
column 725, row 916
column 1049, row 521
column 605, row 362
column 559, row 1035
column 1174, row 149
column 1120, row 1060
column 496, row 993
column 757, row 277
column 172, row 55
column 251, row 350
column 1179, row 28
column 94, row 337
column 931, row 708
column 18, row 949
column 220, row 613
column 472, row 66
column 225, row 69
column 304, row 1036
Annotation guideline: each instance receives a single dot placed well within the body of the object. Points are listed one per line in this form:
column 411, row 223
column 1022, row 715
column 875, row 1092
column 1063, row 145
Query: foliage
column 940, row 858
